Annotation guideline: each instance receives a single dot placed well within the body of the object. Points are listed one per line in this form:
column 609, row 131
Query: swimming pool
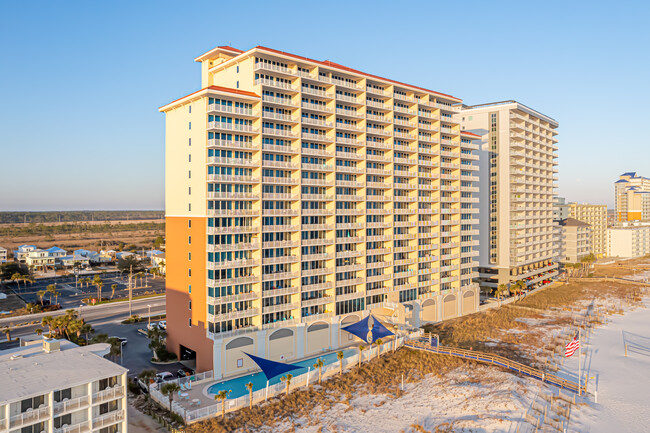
column 238, row 385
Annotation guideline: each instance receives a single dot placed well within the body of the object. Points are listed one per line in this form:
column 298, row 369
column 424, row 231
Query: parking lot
column 71, row 294
column 136, row 355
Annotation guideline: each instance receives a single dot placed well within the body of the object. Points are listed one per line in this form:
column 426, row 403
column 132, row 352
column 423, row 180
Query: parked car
column 185, row 371
column 164, row 376
column 162, row 324
column 151, row 326
column 122, row 340
column 143, row 386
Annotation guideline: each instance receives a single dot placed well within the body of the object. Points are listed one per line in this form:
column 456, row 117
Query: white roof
column 34, row 372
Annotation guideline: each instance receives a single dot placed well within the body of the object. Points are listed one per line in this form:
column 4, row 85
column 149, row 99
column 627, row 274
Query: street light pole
column 80, row 307
column 130, row 292
column 149, row 317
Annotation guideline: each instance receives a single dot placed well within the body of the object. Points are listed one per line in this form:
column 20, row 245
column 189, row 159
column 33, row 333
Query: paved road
column 72, row 294
column 106, row 319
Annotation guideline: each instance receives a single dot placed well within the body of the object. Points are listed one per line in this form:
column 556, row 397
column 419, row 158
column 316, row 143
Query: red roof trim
column 470, row 133
column 345, row 68
column 224, row 47
column 216, row 88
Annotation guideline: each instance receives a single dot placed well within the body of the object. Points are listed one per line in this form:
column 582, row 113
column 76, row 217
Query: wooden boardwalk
column 492, row 359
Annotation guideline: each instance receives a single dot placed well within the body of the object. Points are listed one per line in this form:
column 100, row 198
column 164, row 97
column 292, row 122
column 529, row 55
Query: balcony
column 285, row 133
column 30, row 417
column 348, row 99
column 275, row 84
column 229, row 264
column 216, row 160
column 108, row 394
column 71, row 405
column 349, row 141
column 249, row 296
column 250, row 312
column 232, row 127
column 316, row 137
column 233, row 195
column 317, row 301
column 75, row 428
column 280, row 307
column 216, row 142
column 316, row 107
column 231, row 110
column 263, row 66
column 287, row 102
column 280, row 180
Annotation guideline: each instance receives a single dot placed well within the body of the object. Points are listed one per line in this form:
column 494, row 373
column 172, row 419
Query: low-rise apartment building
column 56, row 386
column 628, row 240
column 3, row 255
column 576, row 240
column 596, row 216
column 22, row 252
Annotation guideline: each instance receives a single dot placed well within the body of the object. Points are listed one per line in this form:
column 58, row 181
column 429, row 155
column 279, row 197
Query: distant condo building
column 632, row 198
column 301, row 195
column 517, row 180
column 628, row 240
column 575, row 240
column 596, row 217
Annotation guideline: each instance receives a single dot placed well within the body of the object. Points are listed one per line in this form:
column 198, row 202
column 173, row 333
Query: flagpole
column 579, row 362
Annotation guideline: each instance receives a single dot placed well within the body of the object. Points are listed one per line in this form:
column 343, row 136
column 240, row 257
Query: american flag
column 572, row 346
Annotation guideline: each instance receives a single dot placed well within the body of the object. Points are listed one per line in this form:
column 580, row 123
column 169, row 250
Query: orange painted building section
column 179, row 250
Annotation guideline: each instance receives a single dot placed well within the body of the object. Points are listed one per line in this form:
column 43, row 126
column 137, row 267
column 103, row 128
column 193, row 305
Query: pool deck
column 198, row 388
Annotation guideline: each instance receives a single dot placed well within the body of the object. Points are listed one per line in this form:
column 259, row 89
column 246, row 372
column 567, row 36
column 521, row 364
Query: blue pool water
column 238, row 386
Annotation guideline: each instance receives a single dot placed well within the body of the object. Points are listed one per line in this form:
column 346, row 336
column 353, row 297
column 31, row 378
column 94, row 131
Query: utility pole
column 130, row 291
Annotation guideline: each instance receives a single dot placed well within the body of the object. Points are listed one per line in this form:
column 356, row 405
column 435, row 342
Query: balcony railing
column 30, row 417
column 109, row 418
column 70, row 405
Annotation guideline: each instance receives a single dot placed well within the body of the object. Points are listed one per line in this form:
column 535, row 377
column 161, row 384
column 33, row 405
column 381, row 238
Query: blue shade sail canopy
column 359, row 329
column 379, row 330
column 272, row 368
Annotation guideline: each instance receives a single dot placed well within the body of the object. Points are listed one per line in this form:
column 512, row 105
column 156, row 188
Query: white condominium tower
column 302, row 195
column 517, row 180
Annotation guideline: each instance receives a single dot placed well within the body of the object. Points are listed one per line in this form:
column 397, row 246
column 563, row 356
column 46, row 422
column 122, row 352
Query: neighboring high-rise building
column 56, row 386
column 596, row 216
column 301, row 195
column 517, row 177
column 632, row 198
column 576, row 240
column 628, row 240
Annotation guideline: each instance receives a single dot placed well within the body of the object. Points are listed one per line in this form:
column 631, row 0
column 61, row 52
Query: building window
column 238, row 84
column 189, row 272
column 189, row 207
column 189, row 256
column 190, row 124
column 189, row 224
column 189, row 322
column 190, row 305
column 189, row 190
column 189, row 240
column 190, row 107
column 238, row 69
column 190, row 141
column 189, row 289
column 189, row 157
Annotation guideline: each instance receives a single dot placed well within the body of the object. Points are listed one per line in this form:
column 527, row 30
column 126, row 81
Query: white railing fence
column 277, row 389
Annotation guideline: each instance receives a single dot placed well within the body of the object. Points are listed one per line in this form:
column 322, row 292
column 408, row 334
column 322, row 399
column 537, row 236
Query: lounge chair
column 188, row 385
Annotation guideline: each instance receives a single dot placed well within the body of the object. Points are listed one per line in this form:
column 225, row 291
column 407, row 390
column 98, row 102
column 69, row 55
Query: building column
column 217, row 361
column 262, row 350
column 334, row 333
column 50, row 402
column 416, row 319
column 439, row 307
column 300, row 340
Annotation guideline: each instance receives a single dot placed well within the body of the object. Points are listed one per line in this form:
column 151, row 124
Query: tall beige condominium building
column 596, row 216
column 632, row 198
column 517, row 180
column 302, row 195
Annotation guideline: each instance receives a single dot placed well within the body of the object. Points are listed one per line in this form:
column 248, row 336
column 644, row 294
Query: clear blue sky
column 80, row 82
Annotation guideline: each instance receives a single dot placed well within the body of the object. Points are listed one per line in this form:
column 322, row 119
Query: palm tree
column 222, row 395
column 287, row 379
column 169, row 389
column 17, row 277
column 147, row 376
column 519, row 287
column 500, row 291
column 113, row 287
column 249, row 387
column 361, row 349
column 340, row 355
column 7, row 331
column 40, row 294
column 136, row 276
column 86, row 329
column 49, row 322
column 378, row 342
column 319, row 365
